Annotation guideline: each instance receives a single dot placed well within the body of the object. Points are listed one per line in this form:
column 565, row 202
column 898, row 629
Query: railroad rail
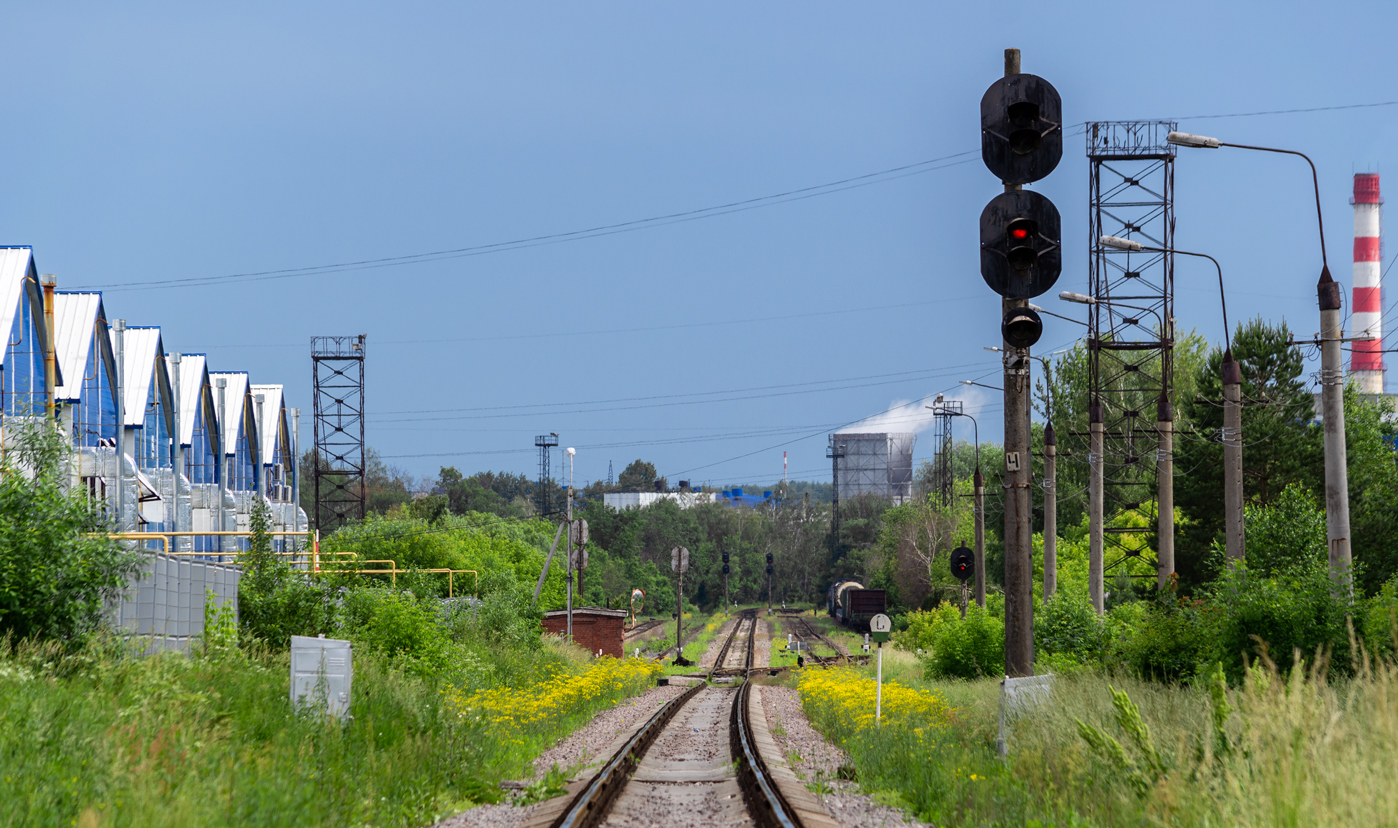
column 643, row 627
column 761, row 796
column 809, row 634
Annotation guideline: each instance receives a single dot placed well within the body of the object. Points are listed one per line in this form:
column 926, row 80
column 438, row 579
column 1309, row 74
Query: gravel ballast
column 586, row 746
column 817, row 760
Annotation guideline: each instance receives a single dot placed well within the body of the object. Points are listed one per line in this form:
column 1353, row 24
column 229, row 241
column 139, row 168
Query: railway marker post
column 679, row 564
column 879, row 629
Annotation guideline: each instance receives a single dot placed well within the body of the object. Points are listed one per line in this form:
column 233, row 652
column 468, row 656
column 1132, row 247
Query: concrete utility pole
column 1165, row 484
column 1332, row 376
column 979, row 482
column 1232, row 457
column 1332, row 412
column 1095, row 447
column 1019, row 552
column 1050, row 512
column 569, row 547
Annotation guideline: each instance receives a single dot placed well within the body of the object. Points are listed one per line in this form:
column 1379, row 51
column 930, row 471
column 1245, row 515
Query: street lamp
column 1332, row 377
column 981, row 385
column 979, row 483
column 1232, row 426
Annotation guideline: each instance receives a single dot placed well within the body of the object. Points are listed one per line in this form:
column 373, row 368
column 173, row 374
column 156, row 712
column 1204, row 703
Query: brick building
column 594, row 628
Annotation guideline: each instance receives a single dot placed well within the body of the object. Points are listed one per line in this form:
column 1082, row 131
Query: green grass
column 101, row 738
column 1290, row 749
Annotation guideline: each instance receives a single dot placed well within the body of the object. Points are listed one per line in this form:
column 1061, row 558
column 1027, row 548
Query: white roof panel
column 191, row 381
column 236, row 392
column 142, row 348
column 14, row 266
column 271, row 408
column 75, row 320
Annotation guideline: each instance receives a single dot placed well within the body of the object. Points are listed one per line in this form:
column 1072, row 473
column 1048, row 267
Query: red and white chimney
column 1366, row 358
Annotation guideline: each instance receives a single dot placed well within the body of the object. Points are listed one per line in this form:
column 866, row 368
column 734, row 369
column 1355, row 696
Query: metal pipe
column 119, row 329
column 295, row 464
column 221, row 384
column 261, row 483
column 49, row 282
column 178, row 459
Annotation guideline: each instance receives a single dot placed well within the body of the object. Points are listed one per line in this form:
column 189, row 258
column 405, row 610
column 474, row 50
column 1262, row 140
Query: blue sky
column 162, row 142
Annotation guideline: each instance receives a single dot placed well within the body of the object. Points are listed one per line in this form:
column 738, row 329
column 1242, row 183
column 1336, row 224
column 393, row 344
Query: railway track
column 809, row 635
column 678, row 769
column 643, row 627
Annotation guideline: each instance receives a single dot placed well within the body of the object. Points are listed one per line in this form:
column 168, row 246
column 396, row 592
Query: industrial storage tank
column 849, row 603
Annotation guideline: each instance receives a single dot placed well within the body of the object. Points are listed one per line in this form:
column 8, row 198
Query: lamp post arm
column 1227, row 337
column 1315, row 180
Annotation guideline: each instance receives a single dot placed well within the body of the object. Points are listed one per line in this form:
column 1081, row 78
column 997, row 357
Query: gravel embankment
column 585, row 746
column 715, row 644
column 762, row 647
column 817, row 759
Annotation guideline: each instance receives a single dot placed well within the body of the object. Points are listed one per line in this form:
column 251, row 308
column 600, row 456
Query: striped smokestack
column 1366, row 359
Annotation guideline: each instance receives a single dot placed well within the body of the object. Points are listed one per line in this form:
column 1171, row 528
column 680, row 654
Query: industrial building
column 878, row 464
column 640, row 500
column 166, row 447
column 23, row 384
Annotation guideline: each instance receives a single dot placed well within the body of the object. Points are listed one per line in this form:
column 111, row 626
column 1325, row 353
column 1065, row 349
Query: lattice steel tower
column 1131, row 334
column 545, row 443
column 943, row 467
column 337, row 371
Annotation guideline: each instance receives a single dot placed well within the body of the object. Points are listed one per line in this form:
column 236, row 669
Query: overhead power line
column 742, row 205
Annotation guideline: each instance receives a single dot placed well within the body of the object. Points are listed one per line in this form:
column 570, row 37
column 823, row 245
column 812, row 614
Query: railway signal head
column 769, row 569
column 963, row 563
column 1021, row 327
column 725, row 557
column 769, row 558
column 1021, row 128
column 725, row 567
column 1021, row 248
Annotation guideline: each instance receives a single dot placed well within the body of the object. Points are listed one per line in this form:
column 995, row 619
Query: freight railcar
column 850, row 604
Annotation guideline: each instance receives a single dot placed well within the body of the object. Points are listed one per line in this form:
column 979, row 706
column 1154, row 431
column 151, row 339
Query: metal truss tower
column 545, row 442
column 1131, row 333
column 943, row 467
column 337, row 371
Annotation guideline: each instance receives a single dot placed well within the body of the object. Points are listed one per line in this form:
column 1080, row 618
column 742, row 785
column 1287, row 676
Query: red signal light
column 1019, row 233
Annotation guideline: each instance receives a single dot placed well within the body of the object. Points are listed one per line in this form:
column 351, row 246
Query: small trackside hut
column 594, row 628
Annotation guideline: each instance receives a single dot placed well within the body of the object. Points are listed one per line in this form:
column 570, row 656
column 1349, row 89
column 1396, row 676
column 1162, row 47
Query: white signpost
column 880, row 627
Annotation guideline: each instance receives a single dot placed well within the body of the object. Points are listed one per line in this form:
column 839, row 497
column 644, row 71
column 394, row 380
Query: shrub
column 275, row 602
column 1066, row 625
column 1379, row 621
column 968, row 647
column 397, row 624
column 1168, row 640
column 57, row 567
column 1296, row 611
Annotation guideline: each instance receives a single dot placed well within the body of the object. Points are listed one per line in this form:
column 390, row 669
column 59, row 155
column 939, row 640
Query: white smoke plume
column 914, row 415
